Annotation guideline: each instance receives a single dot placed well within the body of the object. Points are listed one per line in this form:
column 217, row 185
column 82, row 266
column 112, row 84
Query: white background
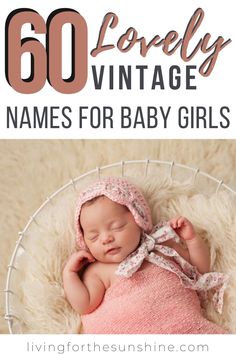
column 149, row 18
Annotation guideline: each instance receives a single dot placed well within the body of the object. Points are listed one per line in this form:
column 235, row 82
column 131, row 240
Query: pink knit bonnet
column 121, row 191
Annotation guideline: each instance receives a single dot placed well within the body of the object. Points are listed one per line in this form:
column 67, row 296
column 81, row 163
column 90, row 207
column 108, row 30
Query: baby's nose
column 107, row 237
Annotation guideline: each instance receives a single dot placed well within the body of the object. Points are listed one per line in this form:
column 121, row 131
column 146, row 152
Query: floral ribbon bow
column 187, row 273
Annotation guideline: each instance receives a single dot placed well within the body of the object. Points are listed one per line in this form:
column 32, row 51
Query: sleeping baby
column 131, row 277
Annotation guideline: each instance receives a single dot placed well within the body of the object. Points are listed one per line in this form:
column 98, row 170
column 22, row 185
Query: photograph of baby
column 115, row 234
column 131, row 236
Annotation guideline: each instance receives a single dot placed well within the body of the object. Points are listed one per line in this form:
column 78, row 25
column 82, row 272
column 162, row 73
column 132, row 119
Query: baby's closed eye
column 92, row 237
column 118, row 226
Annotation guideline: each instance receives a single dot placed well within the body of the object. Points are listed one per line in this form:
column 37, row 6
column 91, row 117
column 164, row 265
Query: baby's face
column 110, row 231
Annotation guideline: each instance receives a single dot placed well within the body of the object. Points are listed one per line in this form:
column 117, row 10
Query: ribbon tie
column 187, row 273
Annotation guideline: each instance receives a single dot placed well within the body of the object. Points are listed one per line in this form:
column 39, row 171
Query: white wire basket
column 204, row 182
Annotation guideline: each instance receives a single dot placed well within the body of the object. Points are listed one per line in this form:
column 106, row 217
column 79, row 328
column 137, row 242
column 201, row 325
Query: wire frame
column 119, row 168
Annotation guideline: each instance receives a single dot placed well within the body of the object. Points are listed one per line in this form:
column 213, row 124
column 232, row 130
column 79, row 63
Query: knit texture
column 121, row 191
column 135, row 306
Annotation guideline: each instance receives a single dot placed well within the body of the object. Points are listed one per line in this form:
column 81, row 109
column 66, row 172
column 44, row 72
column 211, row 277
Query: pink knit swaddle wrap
column 152, row 301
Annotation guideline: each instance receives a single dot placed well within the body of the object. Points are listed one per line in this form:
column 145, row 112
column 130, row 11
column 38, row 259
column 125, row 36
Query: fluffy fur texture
column 32, row 170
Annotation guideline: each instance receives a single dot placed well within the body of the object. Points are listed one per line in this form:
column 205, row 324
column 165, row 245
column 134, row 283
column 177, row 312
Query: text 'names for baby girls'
column 123, row 117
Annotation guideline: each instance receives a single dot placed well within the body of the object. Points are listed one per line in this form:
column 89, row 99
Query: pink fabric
column 187, row 273
column 121, row 191
column 152, row 301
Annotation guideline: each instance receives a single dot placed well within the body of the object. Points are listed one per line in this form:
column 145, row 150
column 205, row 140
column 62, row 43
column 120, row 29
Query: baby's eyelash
column 93, row 238
column 118, row 227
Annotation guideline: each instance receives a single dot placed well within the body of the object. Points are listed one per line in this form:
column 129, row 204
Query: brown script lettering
column 169, row 46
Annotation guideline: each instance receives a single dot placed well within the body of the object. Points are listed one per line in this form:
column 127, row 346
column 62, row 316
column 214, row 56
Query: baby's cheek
column 95, row 250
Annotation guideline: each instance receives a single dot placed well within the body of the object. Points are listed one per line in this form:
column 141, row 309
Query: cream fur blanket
column 32, row 170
